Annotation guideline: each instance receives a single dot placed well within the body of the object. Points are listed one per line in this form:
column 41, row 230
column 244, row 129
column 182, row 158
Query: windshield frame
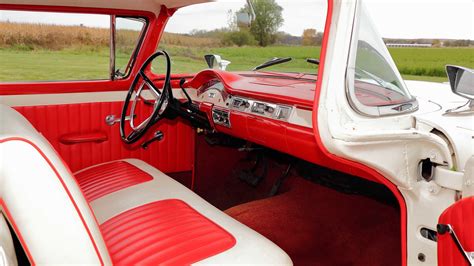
column 408, row 106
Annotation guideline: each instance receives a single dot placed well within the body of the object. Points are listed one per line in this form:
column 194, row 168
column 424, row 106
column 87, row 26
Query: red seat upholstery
column 461, row 217
column 163, row 232
column 104, row 179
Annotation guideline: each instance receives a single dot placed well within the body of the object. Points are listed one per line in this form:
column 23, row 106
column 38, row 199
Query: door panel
column 80, row 135
column 461, row 218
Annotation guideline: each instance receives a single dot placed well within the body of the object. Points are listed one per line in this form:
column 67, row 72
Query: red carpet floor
column 316, row 225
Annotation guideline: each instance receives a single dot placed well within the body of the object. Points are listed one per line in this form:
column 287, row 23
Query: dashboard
column 269, row 109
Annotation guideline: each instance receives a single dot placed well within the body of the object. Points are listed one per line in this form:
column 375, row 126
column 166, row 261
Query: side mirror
column 461, row 80
column 216, row 62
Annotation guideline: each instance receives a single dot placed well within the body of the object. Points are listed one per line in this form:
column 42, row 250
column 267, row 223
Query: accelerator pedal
column 279, row 182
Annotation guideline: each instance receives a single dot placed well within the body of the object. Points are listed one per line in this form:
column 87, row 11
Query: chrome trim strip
column 112, row 47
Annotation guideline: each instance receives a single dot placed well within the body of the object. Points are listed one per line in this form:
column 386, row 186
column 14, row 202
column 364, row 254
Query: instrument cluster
column 213, row 92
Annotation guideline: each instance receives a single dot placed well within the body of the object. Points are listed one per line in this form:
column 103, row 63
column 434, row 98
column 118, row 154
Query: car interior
column 212, row 167
column 263, row 179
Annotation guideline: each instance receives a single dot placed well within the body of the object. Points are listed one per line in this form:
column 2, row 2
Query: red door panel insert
column 106, row 178
column 172, row 154
column 167, row 232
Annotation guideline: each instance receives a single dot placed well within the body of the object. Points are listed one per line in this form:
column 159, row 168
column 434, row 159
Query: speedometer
column 212, row 91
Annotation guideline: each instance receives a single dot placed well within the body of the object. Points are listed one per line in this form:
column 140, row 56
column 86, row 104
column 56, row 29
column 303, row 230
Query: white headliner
column 142, row 5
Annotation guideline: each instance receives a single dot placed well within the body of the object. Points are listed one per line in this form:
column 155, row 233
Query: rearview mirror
column 461, row 80
column 245, row 19
column 216, row 62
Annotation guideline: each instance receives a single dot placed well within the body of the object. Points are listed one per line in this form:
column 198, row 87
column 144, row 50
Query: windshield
column 374, row 83
column 280, row 29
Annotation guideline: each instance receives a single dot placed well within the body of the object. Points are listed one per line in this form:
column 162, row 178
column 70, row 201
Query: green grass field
column 17, row 65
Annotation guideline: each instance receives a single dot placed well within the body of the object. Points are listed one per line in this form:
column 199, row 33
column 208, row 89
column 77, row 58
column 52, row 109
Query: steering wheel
column 162, row 98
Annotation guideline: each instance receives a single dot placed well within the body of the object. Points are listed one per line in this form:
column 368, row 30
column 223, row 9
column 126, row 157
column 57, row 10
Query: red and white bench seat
column 125, row 212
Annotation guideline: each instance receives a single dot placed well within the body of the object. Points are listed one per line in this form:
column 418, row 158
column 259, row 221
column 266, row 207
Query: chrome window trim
column 356, row 105
column 138, row 45
column 112, row 47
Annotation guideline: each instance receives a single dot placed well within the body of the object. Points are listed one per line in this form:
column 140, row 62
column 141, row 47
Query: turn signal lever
column 181, row 85
column 157, row 136
column 189, row 102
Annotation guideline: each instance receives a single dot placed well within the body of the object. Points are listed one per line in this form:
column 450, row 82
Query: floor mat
column 316, row 225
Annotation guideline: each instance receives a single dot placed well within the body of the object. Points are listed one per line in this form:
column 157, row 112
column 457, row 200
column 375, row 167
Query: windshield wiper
column 380, row 81
column 312, row 61
column 272, row 62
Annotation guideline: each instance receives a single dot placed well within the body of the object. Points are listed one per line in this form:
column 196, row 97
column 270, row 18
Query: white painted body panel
column 458, row 127
column 392, row 145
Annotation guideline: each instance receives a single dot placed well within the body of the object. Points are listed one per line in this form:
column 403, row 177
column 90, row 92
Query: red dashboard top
column 285, row 88
column 295, row 89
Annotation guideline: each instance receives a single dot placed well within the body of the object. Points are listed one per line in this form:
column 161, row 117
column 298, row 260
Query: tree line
column 263, row 31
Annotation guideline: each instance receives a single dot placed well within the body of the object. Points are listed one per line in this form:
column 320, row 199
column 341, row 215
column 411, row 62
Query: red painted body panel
column 172, row 154
column 461, row 217
column 167, row 232
column 107, row 178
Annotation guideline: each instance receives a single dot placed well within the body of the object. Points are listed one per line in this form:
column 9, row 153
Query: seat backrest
column 42, row 200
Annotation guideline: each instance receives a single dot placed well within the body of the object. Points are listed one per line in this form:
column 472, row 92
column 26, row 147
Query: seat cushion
column 103, row 179
column 160, row 221
column 163, row 232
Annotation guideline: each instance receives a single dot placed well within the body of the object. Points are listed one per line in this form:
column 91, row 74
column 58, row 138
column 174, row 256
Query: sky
column 451, row 19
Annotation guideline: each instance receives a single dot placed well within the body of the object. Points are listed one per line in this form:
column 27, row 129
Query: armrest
column 76, row 138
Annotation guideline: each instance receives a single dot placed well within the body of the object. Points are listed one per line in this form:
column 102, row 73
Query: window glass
column 46, row 46
column 281, row 29
column 128, row 34
column 374, row 80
